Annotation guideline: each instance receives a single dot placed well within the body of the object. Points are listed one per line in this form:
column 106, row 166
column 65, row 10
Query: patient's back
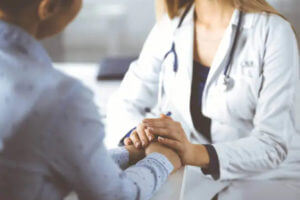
column 34, row 142
column 41, row 110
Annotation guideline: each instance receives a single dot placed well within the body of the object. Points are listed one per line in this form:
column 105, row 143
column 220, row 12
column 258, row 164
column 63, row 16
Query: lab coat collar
column 184, row 37
column 12, row 36
column 184, row 40
column 247, row 19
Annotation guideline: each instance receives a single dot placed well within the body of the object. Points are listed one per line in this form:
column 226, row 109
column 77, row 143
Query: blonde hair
column 174, row 7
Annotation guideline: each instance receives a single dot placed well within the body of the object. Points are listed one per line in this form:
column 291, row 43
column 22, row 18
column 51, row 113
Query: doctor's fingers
column 150, row 136
column 135, row 139
column 173, row 144
column 160, row 123
column 165, row 132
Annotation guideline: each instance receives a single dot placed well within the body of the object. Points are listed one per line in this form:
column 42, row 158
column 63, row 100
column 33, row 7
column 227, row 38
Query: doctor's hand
column 170, row 154
column 140, row 137
column 171, row 134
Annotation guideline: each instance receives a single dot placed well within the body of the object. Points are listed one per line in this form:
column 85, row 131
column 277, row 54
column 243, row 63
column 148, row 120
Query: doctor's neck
column 213, row 13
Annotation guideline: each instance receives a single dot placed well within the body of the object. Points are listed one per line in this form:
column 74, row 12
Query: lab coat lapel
column 223, row 51
column 184, row 43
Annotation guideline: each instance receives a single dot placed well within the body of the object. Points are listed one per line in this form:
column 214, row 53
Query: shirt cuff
column 162, row 160
column 213, row 168
column 150, row 173
column 120, row 156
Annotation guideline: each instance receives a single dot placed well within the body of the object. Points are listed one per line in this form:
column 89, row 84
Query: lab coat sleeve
column 267, row 146
column 83, row 162
column 139, row 89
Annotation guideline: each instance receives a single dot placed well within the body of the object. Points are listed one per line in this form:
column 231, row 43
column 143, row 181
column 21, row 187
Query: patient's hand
column 135, row 154
column 171, row 155
column 140, row 137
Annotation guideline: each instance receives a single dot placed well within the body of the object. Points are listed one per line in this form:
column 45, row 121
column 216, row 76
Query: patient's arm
column 83, row 162
column 126, row 156
column 120, row 156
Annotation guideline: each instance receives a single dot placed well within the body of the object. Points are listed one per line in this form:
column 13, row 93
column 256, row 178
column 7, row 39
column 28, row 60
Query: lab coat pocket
column 216, row 103
column 242, row 98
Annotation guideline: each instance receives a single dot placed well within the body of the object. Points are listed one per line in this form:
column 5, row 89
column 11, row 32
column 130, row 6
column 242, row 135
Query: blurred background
column 108, row 34
column 108, row 28
column 104, row 28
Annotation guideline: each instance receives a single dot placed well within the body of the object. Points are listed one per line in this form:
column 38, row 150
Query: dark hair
column 15, row 5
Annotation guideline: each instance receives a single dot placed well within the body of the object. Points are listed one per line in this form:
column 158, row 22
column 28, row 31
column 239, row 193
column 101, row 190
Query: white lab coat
column 253, row 124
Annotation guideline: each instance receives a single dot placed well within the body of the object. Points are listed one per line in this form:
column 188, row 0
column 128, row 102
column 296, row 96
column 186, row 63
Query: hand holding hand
column 140, row 137
column 171, row 134
column 171, row 155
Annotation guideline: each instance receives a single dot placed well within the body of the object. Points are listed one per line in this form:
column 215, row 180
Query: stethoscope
column 228, row 81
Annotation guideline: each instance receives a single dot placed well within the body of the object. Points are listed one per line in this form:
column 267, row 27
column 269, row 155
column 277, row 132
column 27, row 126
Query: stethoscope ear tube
column 173, row 48
column 228, row 81
column 173, row 51
column 232, row 51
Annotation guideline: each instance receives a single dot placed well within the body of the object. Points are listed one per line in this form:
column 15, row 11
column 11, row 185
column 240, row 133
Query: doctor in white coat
column 247, row 97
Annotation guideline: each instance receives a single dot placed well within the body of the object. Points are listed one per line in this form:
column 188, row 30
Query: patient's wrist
column 135, row 154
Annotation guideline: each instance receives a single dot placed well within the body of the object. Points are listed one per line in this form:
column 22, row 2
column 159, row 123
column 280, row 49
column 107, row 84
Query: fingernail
column 143, row 143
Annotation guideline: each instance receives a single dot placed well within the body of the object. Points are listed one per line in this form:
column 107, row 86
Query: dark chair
column 114, row 68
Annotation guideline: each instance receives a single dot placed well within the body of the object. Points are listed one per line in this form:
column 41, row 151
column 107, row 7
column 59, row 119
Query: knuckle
column 140, row 126
column 178, row 124
column 134, row 133
column 133, row 136
column 168, row 125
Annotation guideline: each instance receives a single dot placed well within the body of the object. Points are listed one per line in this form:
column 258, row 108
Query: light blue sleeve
column 120, row 156
column 87, row 166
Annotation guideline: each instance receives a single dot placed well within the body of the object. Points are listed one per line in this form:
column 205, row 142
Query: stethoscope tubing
column 231, row 54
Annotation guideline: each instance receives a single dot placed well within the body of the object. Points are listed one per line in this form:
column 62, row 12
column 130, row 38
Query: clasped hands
column 166, row 136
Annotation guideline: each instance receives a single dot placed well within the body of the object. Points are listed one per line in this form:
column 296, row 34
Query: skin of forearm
column 198, row 156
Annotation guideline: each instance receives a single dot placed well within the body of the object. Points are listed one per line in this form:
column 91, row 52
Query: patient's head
column 41, row 18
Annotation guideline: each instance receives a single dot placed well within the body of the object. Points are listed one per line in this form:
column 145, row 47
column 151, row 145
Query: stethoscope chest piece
column 228, row 83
